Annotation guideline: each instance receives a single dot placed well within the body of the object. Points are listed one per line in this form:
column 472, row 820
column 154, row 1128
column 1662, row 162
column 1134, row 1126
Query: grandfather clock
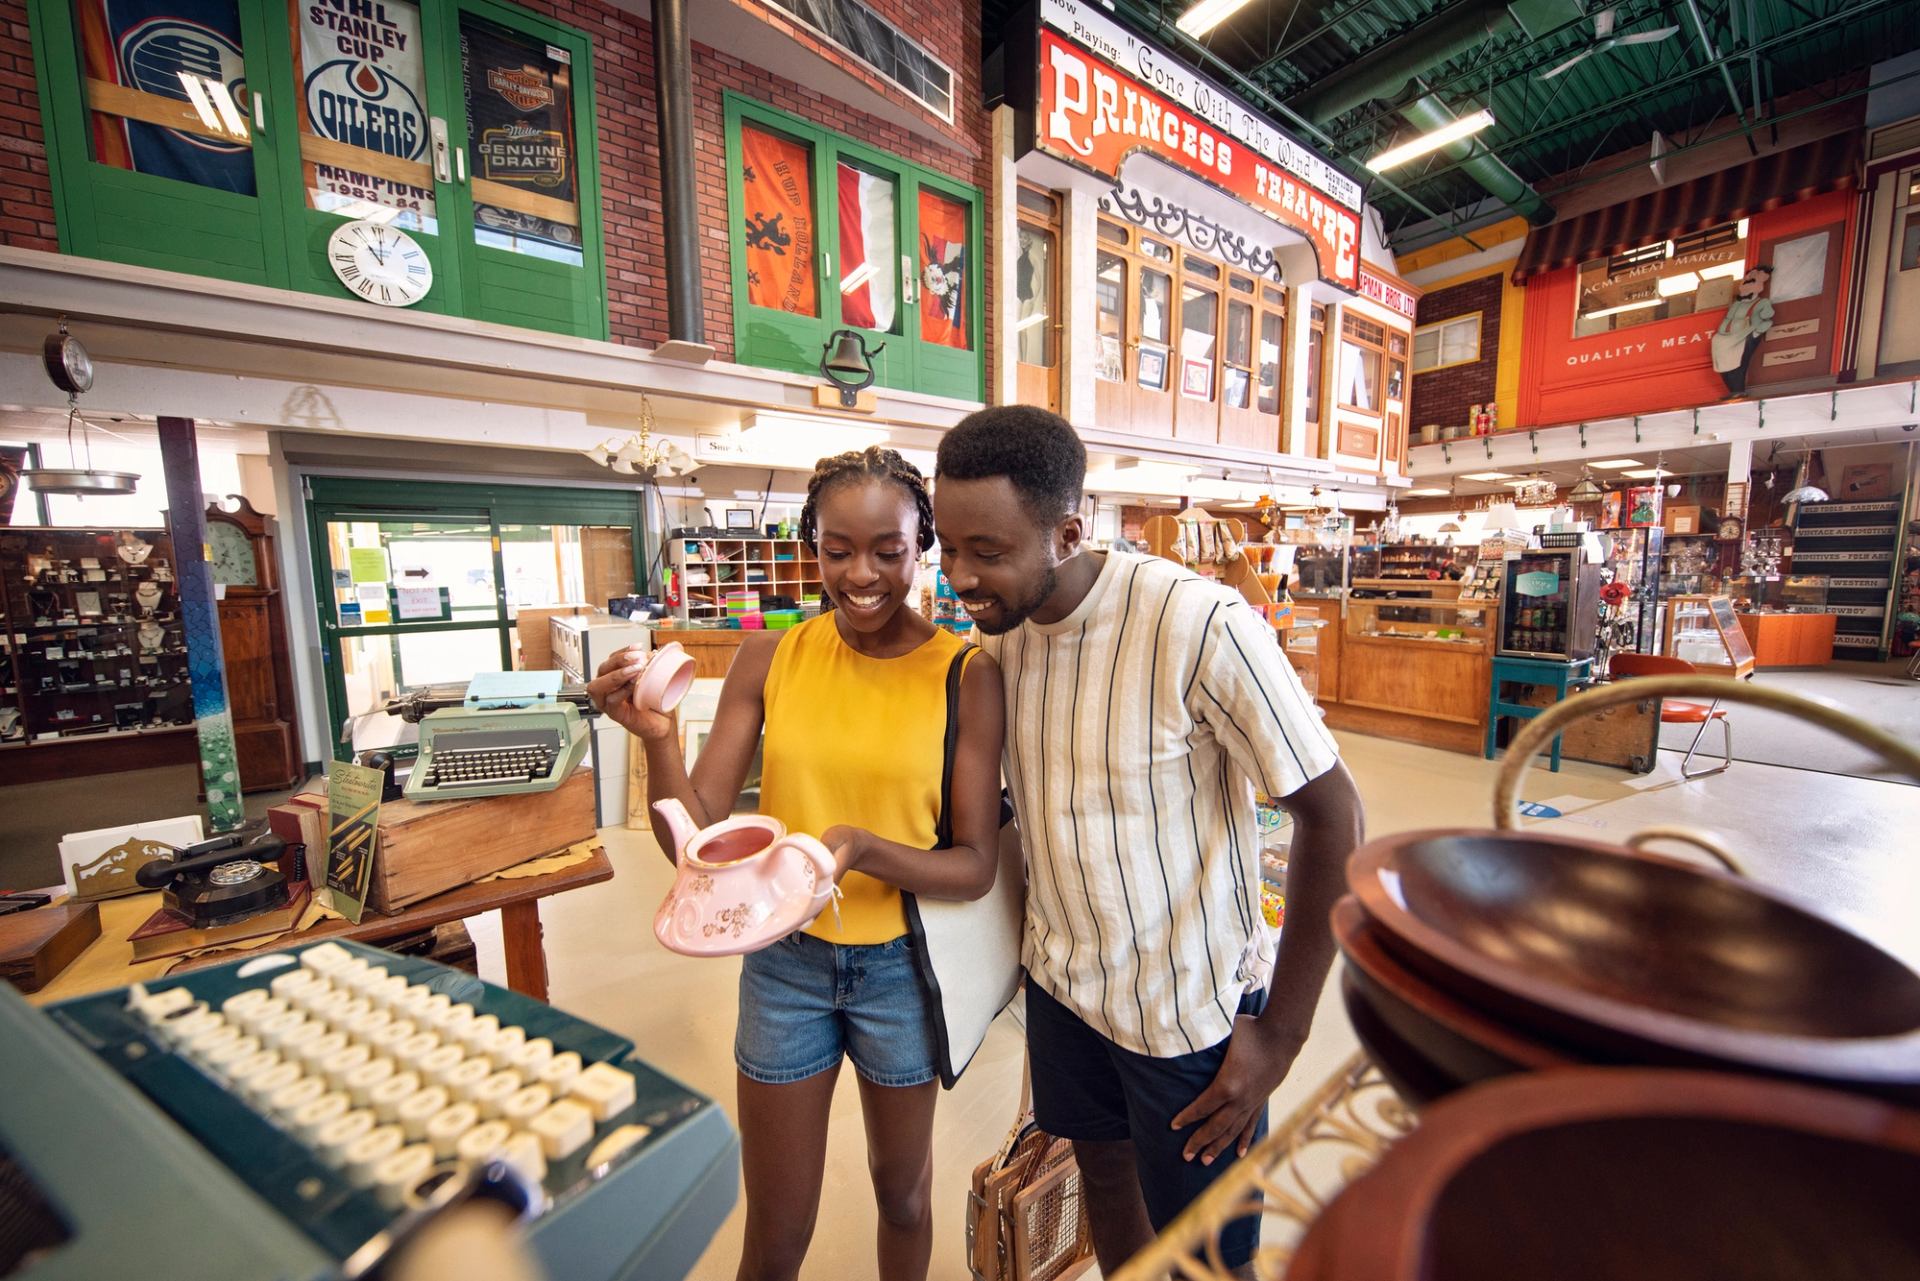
column 253, row 637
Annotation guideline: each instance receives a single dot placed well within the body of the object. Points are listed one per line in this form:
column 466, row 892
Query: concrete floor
column 1843, row 843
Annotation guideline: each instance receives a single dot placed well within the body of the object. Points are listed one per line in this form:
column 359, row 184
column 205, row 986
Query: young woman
column 854, row 708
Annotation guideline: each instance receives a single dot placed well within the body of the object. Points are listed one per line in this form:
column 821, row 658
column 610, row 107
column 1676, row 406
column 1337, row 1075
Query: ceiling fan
column 1604, row 39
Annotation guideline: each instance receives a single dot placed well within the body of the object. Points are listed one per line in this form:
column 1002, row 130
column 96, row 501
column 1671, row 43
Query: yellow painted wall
column 1512, row 302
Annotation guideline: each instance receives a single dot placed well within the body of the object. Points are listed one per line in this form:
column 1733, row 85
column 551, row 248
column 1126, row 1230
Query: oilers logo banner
column 361, row 86
column 159, row 48
column 519, row 124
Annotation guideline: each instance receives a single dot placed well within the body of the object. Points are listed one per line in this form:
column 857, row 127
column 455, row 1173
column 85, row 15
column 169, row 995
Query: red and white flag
column 869, row 290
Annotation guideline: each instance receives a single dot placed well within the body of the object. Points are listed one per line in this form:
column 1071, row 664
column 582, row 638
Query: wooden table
column 516, row 899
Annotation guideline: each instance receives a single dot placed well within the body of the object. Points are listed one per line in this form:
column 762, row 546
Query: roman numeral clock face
column 381, row 264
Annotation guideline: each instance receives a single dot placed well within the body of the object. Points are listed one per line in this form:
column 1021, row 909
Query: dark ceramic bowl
column 1634, row 957
column 1457, row 1042
column 1599, row 1174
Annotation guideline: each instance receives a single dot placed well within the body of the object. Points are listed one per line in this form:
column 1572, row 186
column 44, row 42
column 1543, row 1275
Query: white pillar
column 1003, row 233
column 1079, row 307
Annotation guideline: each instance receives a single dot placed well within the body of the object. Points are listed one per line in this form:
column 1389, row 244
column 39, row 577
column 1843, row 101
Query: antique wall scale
column 71, row 369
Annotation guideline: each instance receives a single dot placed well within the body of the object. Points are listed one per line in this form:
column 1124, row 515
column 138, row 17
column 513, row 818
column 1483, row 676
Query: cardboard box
column 429, row 847
column 1684, row 520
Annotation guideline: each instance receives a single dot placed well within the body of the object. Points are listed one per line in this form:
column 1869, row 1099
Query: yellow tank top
column 857, row 740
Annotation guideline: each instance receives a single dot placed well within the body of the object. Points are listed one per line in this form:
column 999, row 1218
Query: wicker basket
column 1026, row 1217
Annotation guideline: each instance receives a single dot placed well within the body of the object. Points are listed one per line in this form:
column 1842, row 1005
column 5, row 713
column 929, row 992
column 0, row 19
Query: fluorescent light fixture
column 1623, row 307
column 1426, row 493
column 1208, row 14
column 1647, row 473
column 1617, row 464
column 1227, row 491
column 858, row 277
column 1446, row 135
column 1725, row 271
column 1138, row 477
column 1673, row 286
column 230, row 116
column 1035, row 319
column 1487, row 475
column 197, row 95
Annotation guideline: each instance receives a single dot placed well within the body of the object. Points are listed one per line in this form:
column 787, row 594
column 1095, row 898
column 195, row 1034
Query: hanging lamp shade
column 1805, row 494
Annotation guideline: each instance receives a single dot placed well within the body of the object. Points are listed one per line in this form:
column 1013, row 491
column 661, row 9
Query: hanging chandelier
column 1535, row 491
column 640, row 454
column 1585, row 490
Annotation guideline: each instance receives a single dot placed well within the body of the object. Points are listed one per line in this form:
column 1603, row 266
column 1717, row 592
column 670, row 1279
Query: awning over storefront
column 1773, row 180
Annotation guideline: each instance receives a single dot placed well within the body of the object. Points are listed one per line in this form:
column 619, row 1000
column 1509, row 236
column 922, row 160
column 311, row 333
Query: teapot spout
column 679, row 823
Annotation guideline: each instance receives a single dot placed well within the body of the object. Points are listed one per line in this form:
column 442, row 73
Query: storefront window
column 1110, row 288
column 1316, row 357
column 1362, row 349
column 1450, row 342
column 1661, row 280
column 776, row 178
column 1270, row 346
column 869, row 276
column 1033, row 284
column 167, row 97
column 1199, row 327
column 526, row 196
column 1237, row 384
column 1156, row 302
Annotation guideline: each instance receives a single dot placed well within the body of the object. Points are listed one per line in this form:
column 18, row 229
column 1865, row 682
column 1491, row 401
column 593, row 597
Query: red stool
column 1676, row 713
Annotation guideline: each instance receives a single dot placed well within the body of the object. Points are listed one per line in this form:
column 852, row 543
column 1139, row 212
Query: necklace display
column 134, row 552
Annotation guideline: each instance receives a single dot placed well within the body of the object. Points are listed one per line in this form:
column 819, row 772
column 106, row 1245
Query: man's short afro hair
column 1037, row 451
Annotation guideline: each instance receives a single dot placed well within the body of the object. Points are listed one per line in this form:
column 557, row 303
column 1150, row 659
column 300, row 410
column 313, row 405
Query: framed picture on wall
column 1153, row 368
column 1196, row 379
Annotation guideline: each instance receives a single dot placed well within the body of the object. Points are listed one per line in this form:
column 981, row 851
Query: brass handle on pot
column 1533, row 738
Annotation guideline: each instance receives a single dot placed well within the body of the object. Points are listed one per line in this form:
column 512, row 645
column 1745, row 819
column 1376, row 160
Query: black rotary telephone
column 220, row 881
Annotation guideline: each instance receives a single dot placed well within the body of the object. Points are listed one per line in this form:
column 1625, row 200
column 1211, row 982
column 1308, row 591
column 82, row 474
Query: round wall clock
column 1730, row 529
column 379, row 263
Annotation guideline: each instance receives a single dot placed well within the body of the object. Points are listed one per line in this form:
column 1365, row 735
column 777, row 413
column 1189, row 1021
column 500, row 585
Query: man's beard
column 1009, row 617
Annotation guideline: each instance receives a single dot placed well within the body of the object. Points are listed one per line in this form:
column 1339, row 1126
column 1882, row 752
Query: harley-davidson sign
column 1094, row 115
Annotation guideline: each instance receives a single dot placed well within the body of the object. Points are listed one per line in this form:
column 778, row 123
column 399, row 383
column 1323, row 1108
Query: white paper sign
column 414, row 603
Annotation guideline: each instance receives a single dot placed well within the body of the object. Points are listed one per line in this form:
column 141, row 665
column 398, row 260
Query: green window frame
column 776, row 339
column 273, row 237
column 342, row 498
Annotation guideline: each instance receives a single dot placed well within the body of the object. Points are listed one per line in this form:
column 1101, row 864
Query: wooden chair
column 1678, row 713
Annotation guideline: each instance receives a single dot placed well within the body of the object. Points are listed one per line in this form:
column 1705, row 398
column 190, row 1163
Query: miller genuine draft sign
column 519, row 119
column 1104, row 94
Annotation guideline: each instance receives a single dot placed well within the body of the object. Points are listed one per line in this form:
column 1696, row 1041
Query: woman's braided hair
column 871, row 463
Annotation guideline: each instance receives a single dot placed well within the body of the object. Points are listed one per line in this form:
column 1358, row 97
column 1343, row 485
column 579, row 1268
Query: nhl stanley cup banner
column 361, row 85
column 520, row 127
column 158, row 48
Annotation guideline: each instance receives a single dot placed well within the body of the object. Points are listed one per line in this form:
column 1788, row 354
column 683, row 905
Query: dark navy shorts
column 1086, row 1087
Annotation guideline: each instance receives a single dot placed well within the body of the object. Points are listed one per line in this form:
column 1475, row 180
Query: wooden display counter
column 1407, row 669
column 1790, row 640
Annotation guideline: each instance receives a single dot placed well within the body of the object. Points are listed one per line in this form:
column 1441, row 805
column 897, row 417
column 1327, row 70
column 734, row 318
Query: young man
column 1144, row 707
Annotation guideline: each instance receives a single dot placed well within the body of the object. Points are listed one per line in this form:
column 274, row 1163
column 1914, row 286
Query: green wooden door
column 946, row 237
column 363, row 134
column 527, row 182
column 161, row 140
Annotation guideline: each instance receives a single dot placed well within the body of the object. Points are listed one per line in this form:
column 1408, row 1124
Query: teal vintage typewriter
column 294, row 1115
column 511, row 733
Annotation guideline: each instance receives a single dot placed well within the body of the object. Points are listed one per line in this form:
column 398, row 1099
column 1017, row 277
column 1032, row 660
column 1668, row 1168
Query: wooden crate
column 427, row 848
column 1626, row 737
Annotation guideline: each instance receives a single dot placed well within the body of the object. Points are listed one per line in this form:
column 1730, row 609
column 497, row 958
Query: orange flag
column 776, row 181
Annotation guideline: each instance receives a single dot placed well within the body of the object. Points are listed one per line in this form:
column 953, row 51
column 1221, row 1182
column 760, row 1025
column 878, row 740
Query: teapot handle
column 822, row 859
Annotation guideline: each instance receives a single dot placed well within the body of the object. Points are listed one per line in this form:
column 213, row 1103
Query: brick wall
column 1447, row 396
column 629, row 164
column 26, row 193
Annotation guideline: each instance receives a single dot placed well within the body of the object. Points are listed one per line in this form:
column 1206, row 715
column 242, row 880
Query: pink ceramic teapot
column 742, row 883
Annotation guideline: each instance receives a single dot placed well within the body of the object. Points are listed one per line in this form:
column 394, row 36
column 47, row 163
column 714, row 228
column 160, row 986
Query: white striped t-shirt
column 1138, row 728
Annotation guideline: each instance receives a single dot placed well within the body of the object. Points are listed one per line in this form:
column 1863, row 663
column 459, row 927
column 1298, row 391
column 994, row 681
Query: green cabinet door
column 159, row 139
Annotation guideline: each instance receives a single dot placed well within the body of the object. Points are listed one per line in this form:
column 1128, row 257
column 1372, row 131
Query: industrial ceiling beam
column 1866, row 9
column 1384, row 70
column 1134, row 12
column 1726, row 74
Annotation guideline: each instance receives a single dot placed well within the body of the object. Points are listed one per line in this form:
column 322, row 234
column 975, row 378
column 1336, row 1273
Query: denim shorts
column 804, row 1002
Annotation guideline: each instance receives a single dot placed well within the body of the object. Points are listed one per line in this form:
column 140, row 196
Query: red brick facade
column 1446, row 396
column 629, row 163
